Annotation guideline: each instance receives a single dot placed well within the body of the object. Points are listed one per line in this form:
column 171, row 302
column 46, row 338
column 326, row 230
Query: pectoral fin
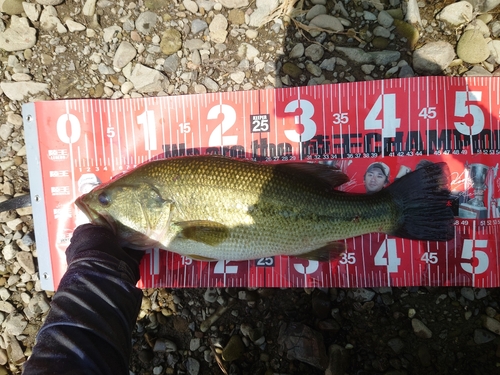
column 208, row 232
column 325, row 253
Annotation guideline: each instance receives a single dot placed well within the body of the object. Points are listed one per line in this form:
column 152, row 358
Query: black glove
column 93, row 237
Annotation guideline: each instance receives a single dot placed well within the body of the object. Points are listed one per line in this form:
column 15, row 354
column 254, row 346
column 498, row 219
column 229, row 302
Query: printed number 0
column 74, row 125
column 305, row 119
column 217, row 138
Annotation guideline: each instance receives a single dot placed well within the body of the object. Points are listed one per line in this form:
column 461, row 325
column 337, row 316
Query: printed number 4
column 386, row 103
column 387, row 255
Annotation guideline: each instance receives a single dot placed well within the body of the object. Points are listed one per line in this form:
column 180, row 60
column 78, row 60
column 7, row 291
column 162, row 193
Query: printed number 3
column 304, row 119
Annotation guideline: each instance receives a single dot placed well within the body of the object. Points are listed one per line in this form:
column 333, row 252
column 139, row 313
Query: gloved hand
column 92, row 237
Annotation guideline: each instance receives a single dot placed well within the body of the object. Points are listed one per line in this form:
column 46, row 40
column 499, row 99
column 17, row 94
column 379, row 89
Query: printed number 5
column 468, row 252
column 462, row 108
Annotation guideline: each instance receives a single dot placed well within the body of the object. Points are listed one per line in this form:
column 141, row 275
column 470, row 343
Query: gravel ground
column 54, row 49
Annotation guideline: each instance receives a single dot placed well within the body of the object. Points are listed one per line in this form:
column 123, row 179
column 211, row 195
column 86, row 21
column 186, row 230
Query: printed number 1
column 147, row 120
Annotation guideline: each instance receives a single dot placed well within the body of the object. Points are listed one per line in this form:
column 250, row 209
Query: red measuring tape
column 397, row 122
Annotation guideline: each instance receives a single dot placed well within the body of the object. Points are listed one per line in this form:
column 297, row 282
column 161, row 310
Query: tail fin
column 423, row 199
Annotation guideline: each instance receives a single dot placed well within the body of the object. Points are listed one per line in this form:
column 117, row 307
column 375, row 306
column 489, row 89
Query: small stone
column 171, row 64
column 491, row 324
column 467, row 293
column 479, row 26
column 238, row 77
column 472, row 47
column 316, row 10
column 303, row 344
column 18, row 36
column 74, row 26
column 48, row 19
column 264, row 9
column 297, row 51
column 433, row 57
column 477, row 71
column 89, row 8
column 49, row 2
column 234, row 349
column 328, row 64
column 338, row 360
column 210, row 295
column 385, row 19
column 6, row 307
column 146, row 356
column 369, row 16
column 31, row 10
column 248, row 51
column 363, row 295
column 230, row 4
column 328, row 22
column 12, row 7
column 382, row 32
column 194, row 344
column 171, row 41
column 236, row 16
column 192, row 44
column 380, row 43
column 408, row 31
column 124, row 54
column 396, row 344
column 19, row 90
column 192, row 366
column 25, row 260
column 14, row 324
column 146, row 79
column 14, row 350
column 190, row 6
column 146, row 22
column 481, row 336
column 315, row 52
column 456, row 14
column 421, row 329
column 210, row 84
column 251, row 34
column 164, row 345
column 197, row 26
column 291, row 69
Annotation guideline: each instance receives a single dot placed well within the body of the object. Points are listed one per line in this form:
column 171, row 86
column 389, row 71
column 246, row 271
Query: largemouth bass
column 217, row 208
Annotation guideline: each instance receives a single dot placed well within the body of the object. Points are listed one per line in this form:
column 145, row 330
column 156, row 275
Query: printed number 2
column 386, row 103
column 222, row 267
column 387, row 255
column 468, row 252
column 217, row 138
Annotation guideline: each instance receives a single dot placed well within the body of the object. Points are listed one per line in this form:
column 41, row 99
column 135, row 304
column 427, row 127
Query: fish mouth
column 94, row 217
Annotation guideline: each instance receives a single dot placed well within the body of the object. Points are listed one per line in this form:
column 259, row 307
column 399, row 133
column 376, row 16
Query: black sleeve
column 89, row 327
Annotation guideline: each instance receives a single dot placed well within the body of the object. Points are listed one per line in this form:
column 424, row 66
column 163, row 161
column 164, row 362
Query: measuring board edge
column 37, row 196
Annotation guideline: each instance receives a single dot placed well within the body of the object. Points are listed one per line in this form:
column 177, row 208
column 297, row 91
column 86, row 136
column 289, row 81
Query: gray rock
column 238, row 77
column 197, row 26
column 406, row 71
column 146, row 79
column 14, row 324
column 363, row 295
column 230, row 4
column 456, row 14
column 210, row 295
column 164, row 345
column 385, row 19
column 110, row 32
column 481, row 336
column 369, row 16
column 192, row 366
column 19, row 90
column 6, row 307
column 39, row 304
column 193, row 44
column 190, row 6
column 146, row 22
column 382, row 32
column 315, row 52
column 89, row 8
column 25, row 260
column 472, row 47
column 303, row 344
column 263, row 11
column 328, row 22
column 104, row 69
column 48, row 19
column 32, row 11
column 19, row 36
column 5, row 132
column 124, row 54
column 491, row 324
column 210, row 84
column 357, row 55
column 396, row 344
column 494, row 47
column 49, row 2
column 384, row 57
column 246, row 50
column 171, row 64
column 313, row 69
column 421, row 329
column 194, row 344
column 433, row 57
column 479, row 26
column 297, row 51
column 316, row 10
column 219, row 22
column 14, row 350
column 328, row 64
column 484, row 5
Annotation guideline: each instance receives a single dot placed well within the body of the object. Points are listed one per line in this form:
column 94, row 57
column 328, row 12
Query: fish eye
column 104, row 199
